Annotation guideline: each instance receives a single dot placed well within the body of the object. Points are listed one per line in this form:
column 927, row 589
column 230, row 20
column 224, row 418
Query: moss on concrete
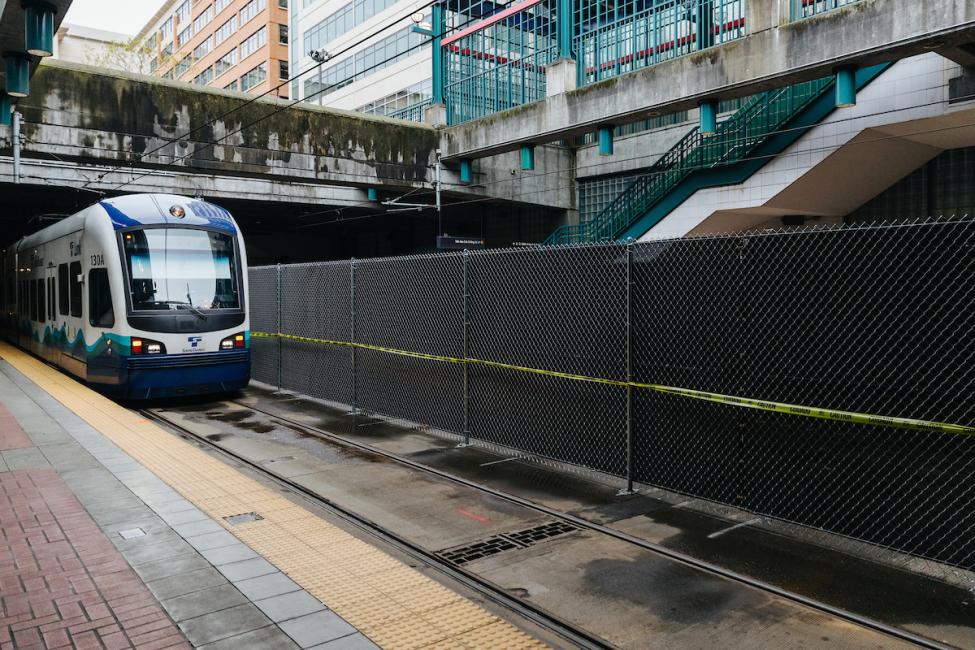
column 148, row 107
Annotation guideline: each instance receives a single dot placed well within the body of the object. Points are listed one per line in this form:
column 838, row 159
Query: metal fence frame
column 544, row 350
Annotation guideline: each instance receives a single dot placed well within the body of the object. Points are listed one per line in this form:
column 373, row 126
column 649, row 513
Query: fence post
column 629, row 370
column 355, row 402
column 277, row 295
column 466, row 351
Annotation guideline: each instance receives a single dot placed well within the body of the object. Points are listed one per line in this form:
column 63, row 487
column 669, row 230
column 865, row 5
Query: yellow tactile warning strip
column 391, row 603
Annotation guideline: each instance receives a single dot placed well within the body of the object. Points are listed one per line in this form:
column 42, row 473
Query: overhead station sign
column 446, row 242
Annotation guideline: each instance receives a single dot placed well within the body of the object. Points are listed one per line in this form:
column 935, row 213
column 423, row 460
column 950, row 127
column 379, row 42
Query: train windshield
column 181, row 268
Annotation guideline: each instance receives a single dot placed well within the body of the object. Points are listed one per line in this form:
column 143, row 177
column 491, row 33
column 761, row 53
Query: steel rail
column 577, row 636
column 669, row 553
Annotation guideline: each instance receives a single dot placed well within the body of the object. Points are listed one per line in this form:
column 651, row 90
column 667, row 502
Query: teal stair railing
column 735, row 139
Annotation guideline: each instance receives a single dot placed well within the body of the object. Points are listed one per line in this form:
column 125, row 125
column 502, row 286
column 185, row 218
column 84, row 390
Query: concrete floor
column 631, row 597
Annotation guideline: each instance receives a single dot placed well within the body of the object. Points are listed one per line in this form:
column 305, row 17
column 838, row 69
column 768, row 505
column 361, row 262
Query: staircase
column 741, row 141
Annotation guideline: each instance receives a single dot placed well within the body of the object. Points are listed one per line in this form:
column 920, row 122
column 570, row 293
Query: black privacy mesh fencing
column 822, row 377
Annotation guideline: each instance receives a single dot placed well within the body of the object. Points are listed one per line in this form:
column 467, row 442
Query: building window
column 63, row 304
column 364, row 62
column 183, row 12
column 203, row 48
column 203, row 19
column 253, row 77
column 251, row 9
column 226, row 62
column 253, row 43
column 395, row 103
column 168, row 50
column 342, row 21
column 283, row 4
column 283, row 70
column 220, row 5
column 166, row 31
column 153, row 64
column 204, row 77
column 283, row 34
column 231, row 86
column 224, row 32
column 100, row 311
column 184, row 64
column 184, row 36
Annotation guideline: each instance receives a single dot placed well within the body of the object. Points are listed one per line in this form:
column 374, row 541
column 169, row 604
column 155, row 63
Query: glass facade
column 377, row 56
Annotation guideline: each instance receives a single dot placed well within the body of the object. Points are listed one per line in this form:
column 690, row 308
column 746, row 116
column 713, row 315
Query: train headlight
column 145, row 346
column 234, row 341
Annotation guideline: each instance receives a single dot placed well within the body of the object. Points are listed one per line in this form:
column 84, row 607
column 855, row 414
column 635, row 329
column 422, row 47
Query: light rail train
column 142, row 296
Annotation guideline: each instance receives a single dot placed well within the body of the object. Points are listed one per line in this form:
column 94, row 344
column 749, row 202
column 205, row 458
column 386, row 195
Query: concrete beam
column 775, row 53
column 66, row 174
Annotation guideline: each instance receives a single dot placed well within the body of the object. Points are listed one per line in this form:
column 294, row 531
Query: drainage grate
column 233, row 520
column 538, row 533
column 505, row 542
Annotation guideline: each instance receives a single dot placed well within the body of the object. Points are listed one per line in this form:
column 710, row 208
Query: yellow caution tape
column 762, row 405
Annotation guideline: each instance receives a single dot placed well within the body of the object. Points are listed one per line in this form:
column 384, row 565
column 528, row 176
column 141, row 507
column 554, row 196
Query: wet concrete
column 440, row 515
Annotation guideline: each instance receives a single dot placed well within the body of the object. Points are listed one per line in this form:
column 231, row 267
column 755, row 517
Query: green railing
column 734, row 140
column 808, row 8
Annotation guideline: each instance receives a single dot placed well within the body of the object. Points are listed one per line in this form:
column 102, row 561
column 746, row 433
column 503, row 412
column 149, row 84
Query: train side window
column 75, row 280
column 100, row 312
column 63, row 304
column 52, row 312
column 32, row 288
column 41, row 301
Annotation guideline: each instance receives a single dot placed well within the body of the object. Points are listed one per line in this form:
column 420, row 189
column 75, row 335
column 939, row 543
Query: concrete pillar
column 466, row 172
column 527, row 157
column 846, row 87
column 560, row 77
column 435, row 115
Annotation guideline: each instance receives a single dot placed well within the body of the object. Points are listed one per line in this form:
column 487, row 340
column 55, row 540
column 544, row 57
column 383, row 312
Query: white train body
column 141, row 296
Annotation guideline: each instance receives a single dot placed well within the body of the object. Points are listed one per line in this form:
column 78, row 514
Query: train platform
column 117, row 533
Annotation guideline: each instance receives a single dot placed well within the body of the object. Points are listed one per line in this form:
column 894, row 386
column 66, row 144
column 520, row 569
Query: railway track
column 571, row 634
column 521, row 607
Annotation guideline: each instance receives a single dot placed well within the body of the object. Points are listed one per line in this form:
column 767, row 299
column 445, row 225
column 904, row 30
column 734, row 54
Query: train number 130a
column 98, row 260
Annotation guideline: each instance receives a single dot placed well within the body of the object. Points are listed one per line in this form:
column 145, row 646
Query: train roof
column 135, row 210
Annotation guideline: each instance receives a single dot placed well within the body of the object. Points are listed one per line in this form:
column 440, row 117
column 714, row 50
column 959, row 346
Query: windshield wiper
column 183, row 305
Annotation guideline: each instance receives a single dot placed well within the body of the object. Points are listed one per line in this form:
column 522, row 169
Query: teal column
column 438, row 24
column 466, row 173
column 527, row 157
column 372, row 194
column 709, row 117
column 39, row 28
column 846, row 87
column 605, row 140
column 6, row 109
column 564, row 21
column 18, row 74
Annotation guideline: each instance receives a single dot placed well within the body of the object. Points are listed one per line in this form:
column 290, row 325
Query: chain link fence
column 568, row 353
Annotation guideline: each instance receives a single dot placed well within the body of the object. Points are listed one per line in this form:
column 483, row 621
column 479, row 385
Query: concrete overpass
column 114, row 132
column 774, row 52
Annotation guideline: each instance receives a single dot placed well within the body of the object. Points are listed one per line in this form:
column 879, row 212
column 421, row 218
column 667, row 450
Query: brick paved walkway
column 62, row 582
